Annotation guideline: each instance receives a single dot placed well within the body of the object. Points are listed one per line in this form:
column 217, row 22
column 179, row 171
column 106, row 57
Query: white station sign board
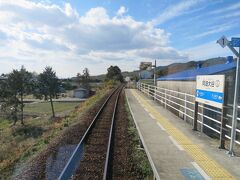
column 210, row 90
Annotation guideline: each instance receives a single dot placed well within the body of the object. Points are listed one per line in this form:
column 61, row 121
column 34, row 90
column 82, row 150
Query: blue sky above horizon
column 71, row 35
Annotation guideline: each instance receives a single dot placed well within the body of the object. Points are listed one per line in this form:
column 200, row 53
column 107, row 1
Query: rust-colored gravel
column 122, row 166
column 93, row 161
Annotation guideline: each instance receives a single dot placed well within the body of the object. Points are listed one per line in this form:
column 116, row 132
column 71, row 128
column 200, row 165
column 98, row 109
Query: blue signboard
column 210, row 95
column 235, row 42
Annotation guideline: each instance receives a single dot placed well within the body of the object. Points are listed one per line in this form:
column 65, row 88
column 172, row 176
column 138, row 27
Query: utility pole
column 154, row 73
column 235, row 42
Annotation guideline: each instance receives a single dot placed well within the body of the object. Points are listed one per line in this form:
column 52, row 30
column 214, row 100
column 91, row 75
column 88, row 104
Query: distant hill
column 177, row 67
column 100, row 77
column 169, row 69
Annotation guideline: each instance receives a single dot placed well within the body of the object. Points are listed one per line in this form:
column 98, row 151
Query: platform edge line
column 201, row 171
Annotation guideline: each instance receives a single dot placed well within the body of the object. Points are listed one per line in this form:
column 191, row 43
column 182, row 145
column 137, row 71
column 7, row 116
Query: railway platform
column 173, row 149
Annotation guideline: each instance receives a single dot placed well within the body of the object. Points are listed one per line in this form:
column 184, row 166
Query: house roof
column 192, row 73
column 3, row 78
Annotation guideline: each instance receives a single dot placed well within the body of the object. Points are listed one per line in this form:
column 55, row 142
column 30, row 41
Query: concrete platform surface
column 175, row 151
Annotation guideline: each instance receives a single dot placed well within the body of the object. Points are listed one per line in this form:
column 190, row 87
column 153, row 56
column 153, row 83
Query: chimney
column 229, row 59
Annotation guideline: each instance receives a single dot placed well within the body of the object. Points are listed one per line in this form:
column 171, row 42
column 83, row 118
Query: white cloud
column 175, row 10
column 95, row 16
column 122, row 10
column 166, row 53
column 38, row 34
column 223, row 10
column 69, row 11
column 230, row 15
column 215, row 29
column 207, row 50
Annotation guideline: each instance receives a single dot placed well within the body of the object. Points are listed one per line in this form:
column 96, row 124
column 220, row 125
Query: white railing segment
column 182, row 104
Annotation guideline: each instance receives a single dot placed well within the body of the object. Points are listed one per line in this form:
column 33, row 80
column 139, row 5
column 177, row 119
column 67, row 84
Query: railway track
column 91, row 158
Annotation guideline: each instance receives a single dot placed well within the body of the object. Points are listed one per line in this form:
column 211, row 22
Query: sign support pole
column 223, row 120
column 195, row 116
column 235, row 42
column 235, row 109
column 223, row 129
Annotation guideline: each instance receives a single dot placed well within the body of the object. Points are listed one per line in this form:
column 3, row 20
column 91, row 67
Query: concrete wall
column 184, row 87
column 188, row 87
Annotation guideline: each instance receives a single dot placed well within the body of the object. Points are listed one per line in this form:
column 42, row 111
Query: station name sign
column 210, row 90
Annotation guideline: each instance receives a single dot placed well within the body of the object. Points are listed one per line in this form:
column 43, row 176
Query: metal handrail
column 201, row 106
column 210, row 118
column 209, row 127
column 183, row 99
column 162, row 95
column 238, row 142
column 229, row 115
column 230, row 127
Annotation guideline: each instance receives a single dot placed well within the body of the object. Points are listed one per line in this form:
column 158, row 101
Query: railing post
column 155, row 93
column 148, row 90
column 165, row 96
column 185, row 106
column 162, row 97
column 202, row 125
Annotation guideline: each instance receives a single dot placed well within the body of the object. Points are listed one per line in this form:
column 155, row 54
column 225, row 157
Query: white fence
column 183, row 104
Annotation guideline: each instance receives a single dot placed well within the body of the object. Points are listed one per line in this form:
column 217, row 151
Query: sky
column 74, row 34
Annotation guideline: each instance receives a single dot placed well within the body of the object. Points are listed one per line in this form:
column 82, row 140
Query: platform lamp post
column 235, row 42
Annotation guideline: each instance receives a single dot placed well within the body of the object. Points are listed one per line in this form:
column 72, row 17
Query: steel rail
column 106, row 167
column 73, row 161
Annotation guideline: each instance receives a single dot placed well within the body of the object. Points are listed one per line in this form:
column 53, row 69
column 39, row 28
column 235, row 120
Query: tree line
column 20, row 83
column 45, row 85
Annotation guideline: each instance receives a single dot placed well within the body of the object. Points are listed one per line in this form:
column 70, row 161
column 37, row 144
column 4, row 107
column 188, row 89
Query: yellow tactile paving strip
column 210, row 166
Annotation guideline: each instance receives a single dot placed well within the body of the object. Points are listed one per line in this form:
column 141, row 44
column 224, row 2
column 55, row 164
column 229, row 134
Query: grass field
column 18, row 144
column 45, row 107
